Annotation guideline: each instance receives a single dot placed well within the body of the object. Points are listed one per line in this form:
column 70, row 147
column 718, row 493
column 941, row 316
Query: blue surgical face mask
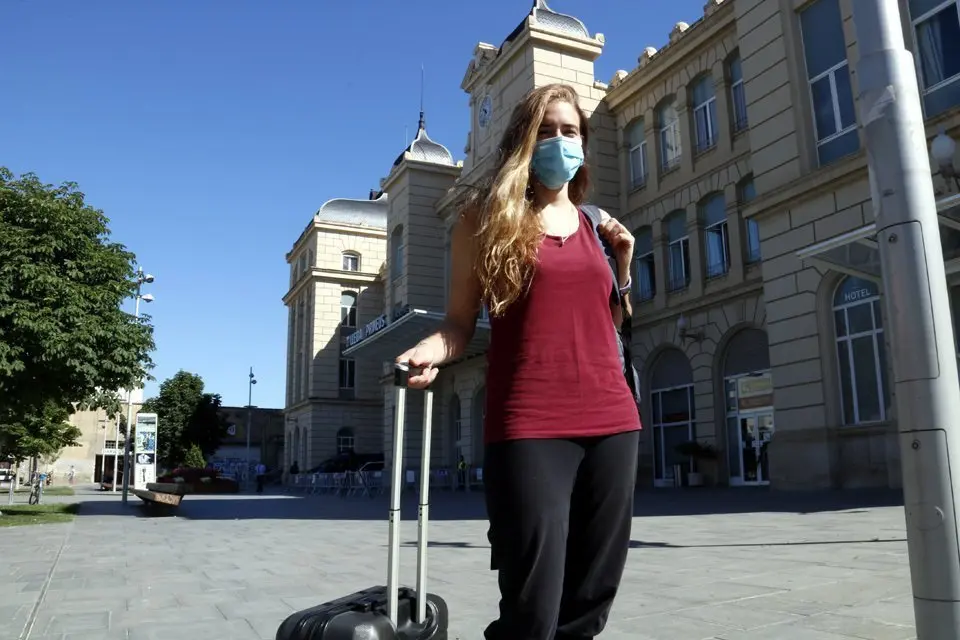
column 557, row 160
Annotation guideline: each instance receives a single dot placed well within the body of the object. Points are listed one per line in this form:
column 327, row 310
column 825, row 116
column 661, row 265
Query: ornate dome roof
column 367, row 213
column 547, row 18
column 426, row 150
column 550, row 19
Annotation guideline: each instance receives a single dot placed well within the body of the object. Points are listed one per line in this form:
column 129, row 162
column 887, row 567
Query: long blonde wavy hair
column 508, row 227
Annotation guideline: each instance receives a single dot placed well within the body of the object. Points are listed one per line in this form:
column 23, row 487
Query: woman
column 561, row 427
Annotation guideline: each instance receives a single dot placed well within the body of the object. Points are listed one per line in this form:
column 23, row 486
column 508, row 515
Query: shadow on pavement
column 470, row 506
column 640, row 544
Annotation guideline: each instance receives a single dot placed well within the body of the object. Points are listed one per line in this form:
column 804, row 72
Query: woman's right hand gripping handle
column 421, row 360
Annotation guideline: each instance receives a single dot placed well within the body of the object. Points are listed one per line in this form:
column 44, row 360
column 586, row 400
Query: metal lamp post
column 252, row 382
column 918, row 310
column 142, row 279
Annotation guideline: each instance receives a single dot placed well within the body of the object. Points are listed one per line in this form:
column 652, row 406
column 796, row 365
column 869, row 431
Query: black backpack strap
column 593, row 214
column 623, row 333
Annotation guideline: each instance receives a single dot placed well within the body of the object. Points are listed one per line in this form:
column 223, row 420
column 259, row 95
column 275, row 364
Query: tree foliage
column 41, row 434
column 63, row 336
column 186, row 416
column 194, row 458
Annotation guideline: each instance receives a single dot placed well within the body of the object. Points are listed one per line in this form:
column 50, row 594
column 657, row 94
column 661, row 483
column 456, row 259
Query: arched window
column 678, row 245
column 704, row 97
column 716, row 240
column 644, row 287
column 350, row 261
column 348, row 309
column 345, row 440
column 637, row 141
column 668, row 123
column 861, row 352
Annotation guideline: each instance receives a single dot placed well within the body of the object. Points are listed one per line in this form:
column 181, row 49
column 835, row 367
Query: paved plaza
column 721, row 564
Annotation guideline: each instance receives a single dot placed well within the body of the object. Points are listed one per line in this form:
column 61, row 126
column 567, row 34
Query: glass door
column 755, row 433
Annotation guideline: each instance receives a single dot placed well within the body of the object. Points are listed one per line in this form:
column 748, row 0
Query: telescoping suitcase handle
column 401, row 376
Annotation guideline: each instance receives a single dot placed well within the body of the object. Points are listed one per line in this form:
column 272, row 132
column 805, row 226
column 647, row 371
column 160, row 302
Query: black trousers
column 560, row 514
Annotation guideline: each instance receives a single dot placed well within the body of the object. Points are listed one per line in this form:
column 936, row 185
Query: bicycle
column 36, row 490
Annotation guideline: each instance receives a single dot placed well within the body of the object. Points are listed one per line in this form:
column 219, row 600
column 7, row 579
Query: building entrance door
column 755, row 433
column 750, row 427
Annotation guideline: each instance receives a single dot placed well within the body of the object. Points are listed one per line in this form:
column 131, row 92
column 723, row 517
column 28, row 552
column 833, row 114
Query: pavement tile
column 857, row 627
column 718, row 564
column 49, row 623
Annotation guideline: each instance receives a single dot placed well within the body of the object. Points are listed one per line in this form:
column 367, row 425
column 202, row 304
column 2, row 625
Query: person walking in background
column 261, row 472
column 562, row 423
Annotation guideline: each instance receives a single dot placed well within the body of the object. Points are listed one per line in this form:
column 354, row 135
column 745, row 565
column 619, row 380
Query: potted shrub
column 702, row 455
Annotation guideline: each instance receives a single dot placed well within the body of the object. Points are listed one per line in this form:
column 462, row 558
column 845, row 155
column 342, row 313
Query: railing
column 371, row 480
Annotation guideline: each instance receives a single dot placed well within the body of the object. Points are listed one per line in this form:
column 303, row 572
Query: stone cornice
column 665, row 60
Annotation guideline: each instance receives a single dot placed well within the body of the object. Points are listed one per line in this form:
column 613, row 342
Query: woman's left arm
column 621, row 240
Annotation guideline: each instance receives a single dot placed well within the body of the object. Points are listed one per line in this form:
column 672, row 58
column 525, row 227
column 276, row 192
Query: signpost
column 145, row 450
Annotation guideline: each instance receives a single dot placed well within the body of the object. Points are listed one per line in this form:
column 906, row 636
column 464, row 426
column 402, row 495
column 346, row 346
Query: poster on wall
column 145, row 450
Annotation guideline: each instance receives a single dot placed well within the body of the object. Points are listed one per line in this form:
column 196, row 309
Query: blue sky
column 210, row 131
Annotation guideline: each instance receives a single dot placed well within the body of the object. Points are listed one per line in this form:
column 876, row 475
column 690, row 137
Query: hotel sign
column 755, row 392
column 375, row 326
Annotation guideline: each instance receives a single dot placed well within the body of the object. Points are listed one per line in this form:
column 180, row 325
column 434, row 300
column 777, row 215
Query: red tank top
column 553, row 367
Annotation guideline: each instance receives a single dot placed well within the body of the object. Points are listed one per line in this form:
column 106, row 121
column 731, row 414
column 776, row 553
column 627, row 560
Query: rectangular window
column 348, row 310
column 638, row 155
column 345, row 441
column 705, row 114
column 715, row 236
column 678, row 252
column 753, row 241
column 348, row 374
column 746, row 193
column 737, row 96
column 936, row 28
column 828, row 72
column 351, row 262
column 638, row 165
column 644, row 277
column 669, row 138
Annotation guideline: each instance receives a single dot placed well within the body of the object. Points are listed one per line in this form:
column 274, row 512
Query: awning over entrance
column 385, row 338
column 856, row 252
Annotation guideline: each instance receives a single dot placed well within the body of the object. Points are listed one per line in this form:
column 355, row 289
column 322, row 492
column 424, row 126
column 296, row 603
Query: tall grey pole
column 918, row 313
column 116, row 455
column 252, row 382
column 127, row 467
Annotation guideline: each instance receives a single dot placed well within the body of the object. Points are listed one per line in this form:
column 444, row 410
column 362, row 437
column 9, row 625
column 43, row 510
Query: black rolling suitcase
column 386, row 612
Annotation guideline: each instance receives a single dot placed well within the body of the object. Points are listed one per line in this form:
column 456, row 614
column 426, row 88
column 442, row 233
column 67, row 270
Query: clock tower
column 545, row 48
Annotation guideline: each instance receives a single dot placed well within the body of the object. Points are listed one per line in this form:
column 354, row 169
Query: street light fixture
column 685, row 333
column 252, row 382
column 142, row 278
column 944, row 149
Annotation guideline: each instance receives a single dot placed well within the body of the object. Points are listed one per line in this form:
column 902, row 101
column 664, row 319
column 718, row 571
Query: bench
column 160, row 494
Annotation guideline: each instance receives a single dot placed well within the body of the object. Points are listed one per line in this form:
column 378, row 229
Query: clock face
column 486, row 112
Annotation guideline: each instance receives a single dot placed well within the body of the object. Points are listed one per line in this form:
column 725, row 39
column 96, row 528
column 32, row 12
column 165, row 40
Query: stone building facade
column 734, row 153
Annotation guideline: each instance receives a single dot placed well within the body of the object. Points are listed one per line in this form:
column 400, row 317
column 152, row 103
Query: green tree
column 63, row 336
column 195, row 458
column 41, row 434
column 186, row 416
